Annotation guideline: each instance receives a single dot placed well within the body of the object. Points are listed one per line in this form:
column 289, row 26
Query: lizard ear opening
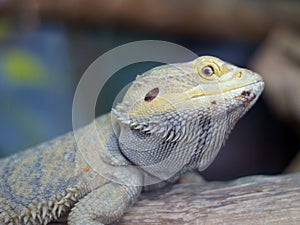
column 151, row 94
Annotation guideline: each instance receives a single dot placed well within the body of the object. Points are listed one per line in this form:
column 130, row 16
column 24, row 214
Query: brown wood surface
column 250, row 200
column 205, row 18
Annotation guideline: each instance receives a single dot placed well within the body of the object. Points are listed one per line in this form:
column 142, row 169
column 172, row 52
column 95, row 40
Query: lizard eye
column 208, row 71
column 151, row 95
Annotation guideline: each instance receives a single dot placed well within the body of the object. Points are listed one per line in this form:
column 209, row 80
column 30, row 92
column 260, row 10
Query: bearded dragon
column 173, row 118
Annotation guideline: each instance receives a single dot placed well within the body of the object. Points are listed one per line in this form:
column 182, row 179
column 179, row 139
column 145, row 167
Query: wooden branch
column 206, row 18
column 251, row 200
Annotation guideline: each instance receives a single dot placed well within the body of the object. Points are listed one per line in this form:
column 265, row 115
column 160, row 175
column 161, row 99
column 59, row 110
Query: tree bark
column 250, row 200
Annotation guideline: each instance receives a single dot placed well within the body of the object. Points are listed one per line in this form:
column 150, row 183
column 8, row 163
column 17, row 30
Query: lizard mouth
column 243, row 88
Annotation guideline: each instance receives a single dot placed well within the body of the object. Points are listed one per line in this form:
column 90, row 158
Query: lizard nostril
column 246, row 93
column 239, row 74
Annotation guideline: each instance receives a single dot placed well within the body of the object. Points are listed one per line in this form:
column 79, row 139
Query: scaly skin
column 173, row 119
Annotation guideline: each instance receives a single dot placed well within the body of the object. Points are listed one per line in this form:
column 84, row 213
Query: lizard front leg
column 103, row 205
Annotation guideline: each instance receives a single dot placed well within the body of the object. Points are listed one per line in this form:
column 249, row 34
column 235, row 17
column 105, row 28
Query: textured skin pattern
column 173, row 119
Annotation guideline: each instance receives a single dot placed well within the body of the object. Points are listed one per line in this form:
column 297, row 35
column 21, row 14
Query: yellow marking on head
column 159, row 104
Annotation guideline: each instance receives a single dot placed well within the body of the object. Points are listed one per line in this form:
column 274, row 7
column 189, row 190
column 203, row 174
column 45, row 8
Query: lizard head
column 175, row 117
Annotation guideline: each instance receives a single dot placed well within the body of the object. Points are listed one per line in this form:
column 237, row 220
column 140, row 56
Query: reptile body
column 173, row 119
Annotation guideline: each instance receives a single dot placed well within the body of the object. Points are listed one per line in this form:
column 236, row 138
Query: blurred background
column 45, row 47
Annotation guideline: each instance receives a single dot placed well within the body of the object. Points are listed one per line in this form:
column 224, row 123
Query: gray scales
column 173, row 119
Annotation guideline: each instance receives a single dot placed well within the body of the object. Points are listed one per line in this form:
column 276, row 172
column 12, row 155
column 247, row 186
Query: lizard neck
column 193, row 143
